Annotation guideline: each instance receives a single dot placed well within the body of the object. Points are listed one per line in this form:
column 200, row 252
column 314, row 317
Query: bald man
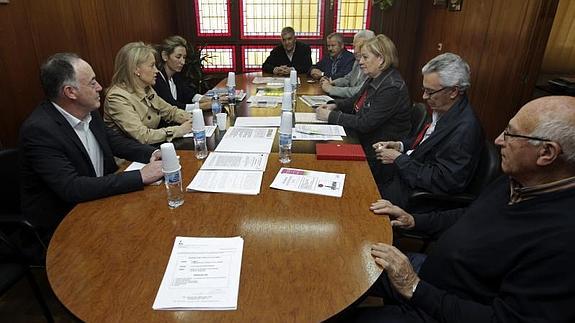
column 509, row 257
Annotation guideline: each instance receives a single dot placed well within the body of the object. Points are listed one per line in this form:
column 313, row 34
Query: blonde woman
column 132, row 105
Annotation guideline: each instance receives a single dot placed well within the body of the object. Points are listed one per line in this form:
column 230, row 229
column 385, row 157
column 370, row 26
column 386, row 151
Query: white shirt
column 82, row 129
column 197, row 97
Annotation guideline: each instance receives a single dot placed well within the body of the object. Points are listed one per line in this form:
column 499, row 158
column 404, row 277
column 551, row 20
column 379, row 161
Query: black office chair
column 12, row 221
column 419, row 117
column 488, row 169
column 13, row 267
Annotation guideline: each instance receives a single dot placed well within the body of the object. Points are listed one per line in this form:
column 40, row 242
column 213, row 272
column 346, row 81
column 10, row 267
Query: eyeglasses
column 506, row 135
column 431, row 92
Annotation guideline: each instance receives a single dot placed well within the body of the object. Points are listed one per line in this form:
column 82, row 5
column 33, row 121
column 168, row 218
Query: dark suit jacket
column 443, row 163
column 56, row 170
column 185, row 91
column 301, row 59
column 344, row 65
column 385, row 115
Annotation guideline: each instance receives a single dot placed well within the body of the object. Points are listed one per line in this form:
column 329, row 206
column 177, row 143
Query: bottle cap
column 286, row 123
column 198, row 120
column 170, row 161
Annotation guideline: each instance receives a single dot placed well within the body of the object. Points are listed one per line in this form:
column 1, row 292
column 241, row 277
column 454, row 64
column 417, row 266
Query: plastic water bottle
column 285, row 137
column 199, row 129
column 216, row 106
column 293, row 82
column 172, row 175
column 174, row 190
column 232, row 95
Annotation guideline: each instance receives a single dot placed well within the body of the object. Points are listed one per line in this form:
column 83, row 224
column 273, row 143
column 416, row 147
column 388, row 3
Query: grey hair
column 559, row 130
column 338, row 37
column 452, row 70
column 57, row 72
column 365, row 34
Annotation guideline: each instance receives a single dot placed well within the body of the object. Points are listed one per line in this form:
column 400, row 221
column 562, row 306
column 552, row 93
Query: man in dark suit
column 443, row 157
column 67, row 153
column 291, row 53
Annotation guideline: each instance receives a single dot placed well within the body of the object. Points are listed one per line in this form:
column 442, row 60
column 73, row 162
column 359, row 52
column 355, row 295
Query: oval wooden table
column 306, row 257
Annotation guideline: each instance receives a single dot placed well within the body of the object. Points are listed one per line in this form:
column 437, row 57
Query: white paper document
column 247, row 140
column 257, row 121
column 227, row 181
column 315, row 100
column 202, row 274
column 235, row 161
column 308, row 181
column 240, row 94
column 307, row 117
column 306, row 136
column 268, row 101
column 271, row 80
column 320, row 129
column 209, row 132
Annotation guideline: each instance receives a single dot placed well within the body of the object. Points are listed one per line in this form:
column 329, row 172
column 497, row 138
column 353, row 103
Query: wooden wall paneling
column 497, row 39
column 400, row 24
column 31, row 31
column 19, row 85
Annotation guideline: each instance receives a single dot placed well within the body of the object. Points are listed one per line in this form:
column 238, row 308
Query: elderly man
column 443, row 157
column 509, row 257
column 290, row 54
column 350, row 84
column 68, row 152
column 335, row 65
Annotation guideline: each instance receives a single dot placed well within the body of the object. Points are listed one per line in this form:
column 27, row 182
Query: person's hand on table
column 186, row 126
column 152, row 172
column 398, row 268
column 206, row 105
column 282, row 70
column 322, row 113
column 326, row 86
column 316, row 73
column 387, row 151
column 399, row 218
column 156, row 155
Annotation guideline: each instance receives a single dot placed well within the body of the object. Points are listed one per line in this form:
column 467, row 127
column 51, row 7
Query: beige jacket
column 138, row 115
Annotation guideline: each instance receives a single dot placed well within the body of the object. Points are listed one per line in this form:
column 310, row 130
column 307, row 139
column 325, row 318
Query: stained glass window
column 218, row 58
column 351, row 16
column 213, row 17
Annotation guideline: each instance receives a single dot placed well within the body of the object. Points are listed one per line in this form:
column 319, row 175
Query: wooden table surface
column 306, row 257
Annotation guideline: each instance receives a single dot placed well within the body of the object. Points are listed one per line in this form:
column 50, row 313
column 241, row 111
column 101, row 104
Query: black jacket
column 301, row 59
column 57, row 172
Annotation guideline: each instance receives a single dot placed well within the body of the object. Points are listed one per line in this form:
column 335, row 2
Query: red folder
column 339, row 152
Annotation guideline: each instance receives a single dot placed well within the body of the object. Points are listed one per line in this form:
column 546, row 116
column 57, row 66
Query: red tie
column 420, row 135
column 359, row 103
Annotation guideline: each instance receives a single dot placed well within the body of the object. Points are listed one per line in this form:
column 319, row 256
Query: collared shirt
column 172, row 85
column 82, row 129
column 435, row 116
column 519, row 193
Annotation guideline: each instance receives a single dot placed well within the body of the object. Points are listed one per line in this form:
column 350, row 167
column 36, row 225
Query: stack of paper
column 234, row 173
column 240, row 94
column 253, row 140
column 307, row 181
column 271, row 80
column 315, row 100
column 307, row 117
column 257, row 121
column 266, row 101
column 318, row 132
column 202, row 274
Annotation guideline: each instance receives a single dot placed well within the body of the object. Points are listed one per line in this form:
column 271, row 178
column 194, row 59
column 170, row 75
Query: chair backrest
column 488, row 169
column 419, row 116
column 10, row 175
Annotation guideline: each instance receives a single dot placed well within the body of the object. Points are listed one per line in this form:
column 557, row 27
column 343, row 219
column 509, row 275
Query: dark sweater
column 500, row 262
column 301, row 59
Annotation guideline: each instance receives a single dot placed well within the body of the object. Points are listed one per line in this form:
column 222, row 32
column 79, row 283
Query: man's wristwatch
column 169, row 135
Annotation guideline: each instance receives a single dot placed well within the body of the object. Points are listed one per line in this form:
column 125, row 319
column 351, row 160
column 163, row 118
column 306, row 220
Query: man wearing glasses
column 509, row 256
column 443, row 157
